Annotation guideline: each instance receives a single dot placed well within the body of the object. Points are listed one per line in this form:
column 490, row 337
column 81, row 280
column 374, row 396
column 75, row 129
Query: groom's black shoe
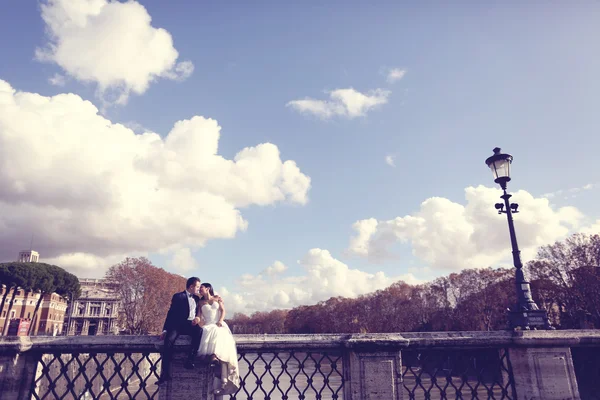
column 189, row 364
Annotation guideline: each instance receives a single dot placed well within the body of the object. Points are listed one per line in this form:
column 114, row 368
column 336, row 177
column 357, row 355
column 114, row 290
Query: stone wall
column 541, row 364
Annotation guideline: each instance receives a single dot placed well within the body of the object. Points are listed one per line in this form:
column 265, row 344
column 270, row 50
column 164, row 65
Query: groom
column 181, row 320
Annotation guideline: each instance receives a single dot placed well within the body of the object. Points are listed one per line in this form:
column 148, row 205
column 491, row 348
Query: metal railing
column 96, row 376
column 586, row 362
column 457, row 374
column 306, row 367
column 290, row 375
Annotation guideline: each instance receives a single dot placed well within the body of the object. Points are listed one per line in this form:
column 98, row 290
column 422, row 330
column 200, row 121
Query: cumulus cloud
column 181, row 260
column 277, row 268
column 88, row 186
column 390, row 160
column 322, row 277
column 110, row 43
column 395, row 74
column 593, row 229
column 348, row 103
column 453, row 236
column 86, row 265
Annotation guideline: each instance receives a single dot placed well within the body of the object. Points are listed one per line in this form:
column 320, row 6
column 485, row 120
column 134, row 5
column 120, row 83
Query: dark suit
column 176, row 324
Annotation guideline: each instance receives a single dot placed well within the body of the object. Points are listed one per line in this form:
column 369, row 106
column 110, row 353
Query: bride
column 217, row 342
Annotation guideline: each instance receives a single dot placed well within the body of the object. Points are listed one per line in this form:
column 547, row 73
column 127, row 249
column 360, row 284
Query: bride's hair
column 209, row 287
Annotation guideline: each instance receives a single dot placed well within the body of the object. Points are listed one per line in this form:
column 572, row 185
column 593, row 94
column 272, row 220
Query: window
column 13, row 314
column 3, row 314
column 28, row 315
column 95, row 309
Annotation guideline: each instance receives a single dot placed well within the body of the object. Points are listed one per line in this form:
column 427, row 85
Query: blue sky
column 519, row 76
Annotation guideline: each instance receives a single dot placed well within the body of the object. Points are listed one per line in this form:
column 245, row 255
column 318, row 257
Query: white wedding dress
column 219, row 341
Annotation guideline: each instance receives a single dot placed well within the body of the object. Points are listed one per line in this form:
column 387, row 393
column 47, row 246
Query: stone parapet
column 541, row 361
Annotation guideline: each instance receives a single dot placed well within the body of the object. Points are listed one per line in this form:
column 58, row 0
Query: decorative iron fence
column 278, row 375
column 457, row 374
column 586, row 361
column 86, row 376
column 290, row 375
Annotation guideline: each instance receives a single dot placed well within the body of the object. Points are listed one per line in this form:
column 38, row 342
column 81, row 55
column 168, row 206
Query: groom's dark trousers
column 176, row 324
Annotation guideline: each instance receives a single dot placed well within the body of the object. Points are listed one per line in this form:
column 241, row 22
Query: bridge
column 436, row 365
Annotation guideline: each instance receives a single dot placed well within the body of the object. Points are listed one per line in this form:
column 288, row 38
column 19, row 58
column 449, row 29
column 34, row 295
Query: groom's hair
column 191, row 281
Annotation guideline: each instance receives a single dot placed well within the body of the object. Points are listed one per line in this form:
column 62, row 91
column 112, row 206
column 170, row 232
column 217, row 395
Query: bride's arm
column 222, row 309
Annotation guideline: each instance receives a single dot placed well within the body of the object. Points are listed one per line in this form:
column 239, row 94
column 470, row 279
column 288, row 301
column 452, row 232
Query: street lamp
column 526, row 314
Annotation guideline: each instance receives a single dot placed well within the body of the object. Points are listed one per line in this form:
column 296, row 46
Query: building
column 50, row 316
column 29, row 256
column 96, row 311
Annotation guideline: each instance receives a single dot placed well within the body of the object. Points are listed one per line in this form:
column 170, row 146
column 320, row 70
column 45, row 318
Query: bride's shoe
column 221, row 390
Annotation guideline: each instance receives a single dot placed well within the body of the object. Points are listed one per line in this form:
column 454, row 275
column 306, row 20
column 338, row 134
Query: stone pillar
column 544, row 373
column 373, row 370
column 197, row 384
column 100, row 327
column 85, row 327
column 17, row 369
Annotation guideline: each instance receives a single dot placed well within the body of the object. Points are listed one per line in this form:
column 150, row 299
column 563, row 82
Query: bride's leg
column 224, row 373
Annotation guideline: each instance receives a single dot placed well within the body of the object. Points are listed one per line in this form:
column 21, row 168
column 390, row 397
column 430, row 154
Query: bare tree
column 145, row 291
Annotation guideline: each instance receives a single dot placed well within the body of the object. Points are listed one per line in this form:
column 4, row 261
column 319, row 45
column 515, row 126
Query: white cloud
column 395, row 74
column 348, row 103
column 322, row 277
column 57, row 80
column 570, row 193
column 86, row 185
column 181, row 260
column 86, row 265
column 277, row 268
column 390, row 160
column 110, row 43
column 448, row 235
column 593, row 229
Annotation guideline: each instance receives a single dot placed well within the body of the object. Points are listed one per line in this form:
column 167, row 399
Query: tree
column 565, row 277
column 35, row 277
column 485, row 294
column 145, row 291
column 566, row 282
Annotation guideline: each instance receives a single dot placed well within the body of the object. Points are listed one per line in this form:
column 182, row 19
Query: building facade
column 29, row 256
column 96, row 311
column 50, row 316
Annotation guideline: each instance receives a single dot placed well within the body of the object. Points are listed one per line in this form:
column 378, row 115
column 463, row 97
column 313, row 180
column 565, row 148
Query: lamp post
column 526, row 314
